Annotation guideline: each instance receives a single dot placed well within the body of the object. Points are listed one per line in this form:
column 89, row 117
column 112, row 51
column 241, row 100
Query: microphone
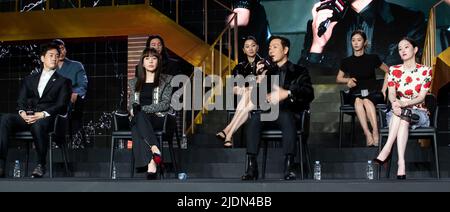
column 339, row 7
column 268, row 63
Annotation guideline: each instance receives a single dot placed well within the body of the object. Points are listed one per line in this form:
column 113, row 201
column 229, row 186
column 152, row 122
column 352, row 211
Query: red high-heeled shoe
column 159, row 166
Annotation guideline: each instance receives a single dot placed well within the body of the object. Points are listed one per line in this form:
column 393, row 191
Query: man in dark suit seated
column 294, row 95
column 41, row 98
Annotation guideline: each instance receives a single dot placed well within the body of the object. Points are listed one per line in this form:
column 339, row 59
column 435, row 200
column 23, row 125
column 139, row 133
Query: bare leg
column 361, row 113
column 402, row 139
column 393, row 131
column 371, row 114
column 241, row 119
column 240, row 107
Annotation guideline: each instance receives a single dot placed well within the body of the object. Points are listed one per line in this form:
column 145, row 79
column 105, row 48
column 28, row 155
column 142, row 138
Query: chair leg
column 380, row 144
column 388, row 171
column 27, row 158
column 111, row 160
column 177, row 137
column 161, row 143
column 308, row 154
column 300, row 151
column 263, row 174
column 436, row 157
column 172, row 157
column 352, row 135
column 132, row 164
column 341, row 119
column 50, row 151
column 64, row 154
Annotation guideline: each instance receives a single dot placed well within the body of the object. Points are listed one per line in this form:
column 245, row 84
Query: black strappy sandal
column 220, row 137
column 228, row 144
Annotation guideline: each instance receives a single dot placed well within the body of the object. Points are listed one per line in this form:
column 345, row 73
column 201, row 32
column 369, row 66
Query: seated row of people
column 408, row 85
column 149, row 102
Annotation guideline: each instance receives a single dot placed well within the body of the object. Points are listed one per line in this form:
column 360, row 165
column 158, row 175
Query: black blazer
column 298, row 81
column 55, row 98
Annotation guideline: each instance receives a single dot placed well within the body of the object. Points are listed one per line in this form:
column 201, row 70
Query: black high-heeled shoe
column 382, row 162
column 228, row 144
column 401, row 177
column 221, row 135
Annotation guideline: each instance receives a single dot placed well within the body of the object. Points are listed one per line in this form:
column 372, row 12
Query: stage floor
column 220, row 185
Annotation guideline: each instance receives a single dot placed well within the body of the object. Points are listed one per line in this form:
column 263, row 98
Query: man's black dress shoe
column 38, row 172
column 289, row 173
column 252, row 169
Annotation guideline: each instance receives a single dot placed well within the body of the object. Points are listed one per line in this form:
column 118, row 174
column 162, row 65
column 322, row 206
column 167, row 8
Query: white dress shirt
column 43, row 81
column 45, row 77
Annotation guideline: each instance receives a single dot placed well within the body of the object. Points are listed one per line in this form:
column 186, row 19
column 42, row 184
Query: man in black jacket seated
column 294, row 95
column 41, row 98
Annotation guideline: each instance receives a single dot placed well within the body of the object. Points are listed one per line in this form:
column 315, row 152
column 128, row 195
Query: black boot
column 252, row 168
column 289, row 173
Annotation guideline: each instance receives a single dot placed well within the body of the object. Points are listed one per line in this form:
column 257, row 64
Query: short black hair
column 49, row 46
column 284, row 42
column 249, row 38
column 58, row 42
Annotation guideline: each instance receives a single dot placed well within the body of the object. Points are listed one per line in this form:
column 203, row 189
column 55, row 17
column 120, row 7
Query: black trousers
column 143, row 127
column 285, row 122
column 11, row 123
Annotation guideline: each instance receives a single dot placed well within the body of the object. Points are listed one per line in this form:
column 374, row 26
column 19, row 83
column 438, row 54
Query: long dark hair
column 164, row 53
column 414, row 44
column 142, row 73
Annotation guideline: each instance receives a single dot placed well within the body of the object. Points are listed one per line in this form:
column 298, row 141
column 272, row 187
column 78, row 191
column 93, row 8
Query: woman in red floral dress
column 408, row 84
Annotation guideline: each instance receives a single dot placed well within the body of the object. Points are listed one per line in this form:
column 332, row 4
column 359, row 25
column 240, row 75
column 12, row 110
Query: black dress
column 246, row 68
column 362, row 68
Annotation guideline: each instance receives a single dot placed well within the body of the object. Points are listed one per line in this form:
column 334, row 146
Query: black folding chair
column 348, row 109
column 421, row 132
column 122, row 131
column 302, row 142
column 57, row 135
